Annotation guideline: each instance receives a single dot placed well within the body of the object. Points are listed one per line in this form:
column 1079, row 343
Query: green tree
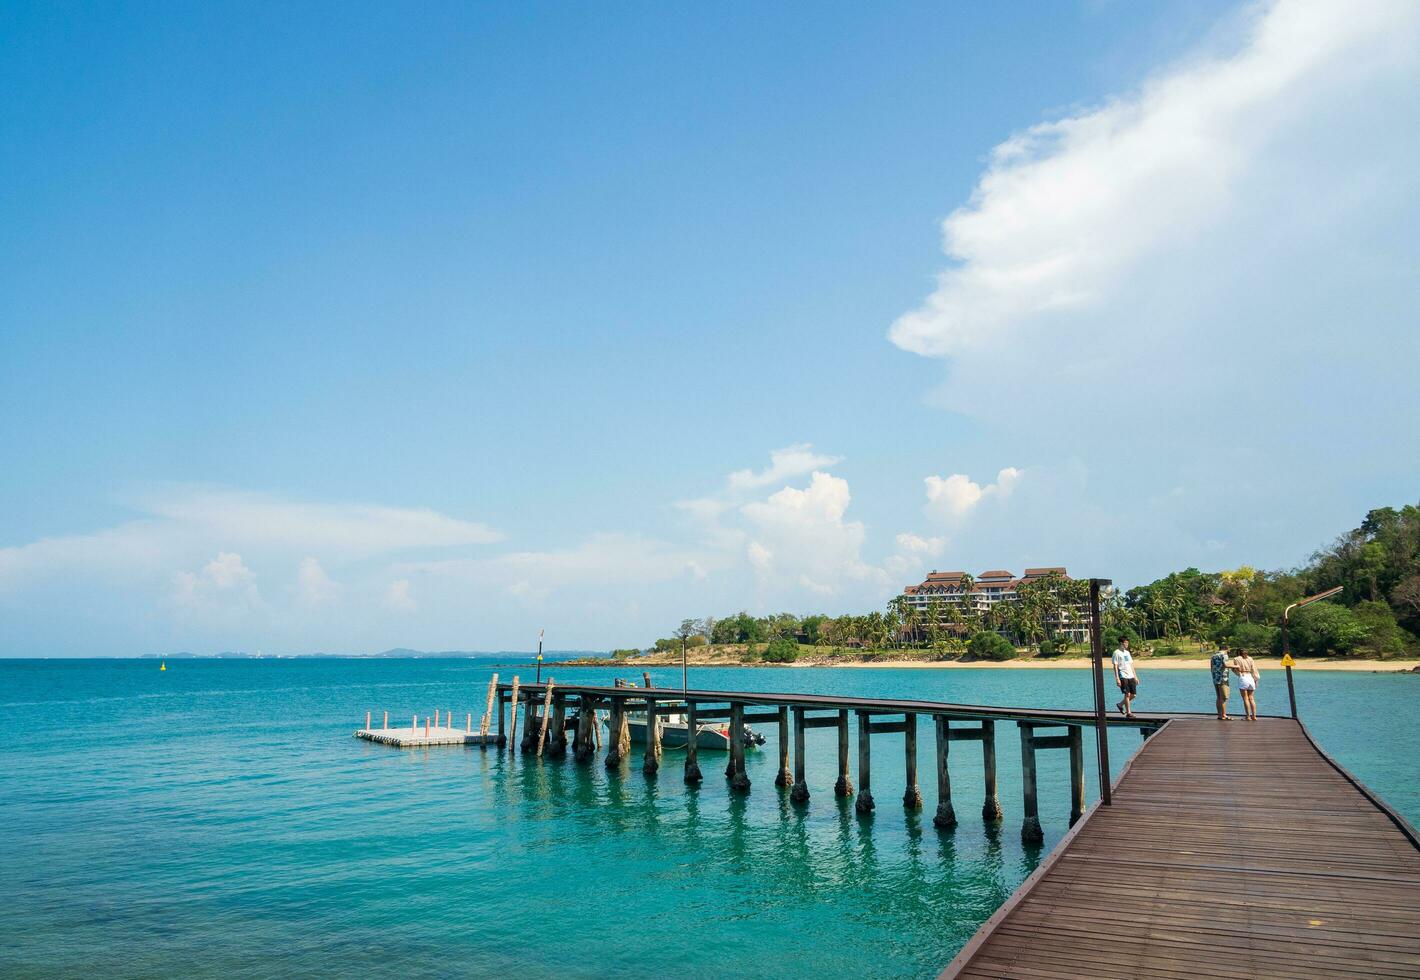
column 781, row 650
column 991, row 646
column 1326, row 629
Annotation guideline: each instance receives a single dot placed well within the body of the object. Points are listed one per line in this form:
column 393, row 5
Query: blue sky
column 353, row 326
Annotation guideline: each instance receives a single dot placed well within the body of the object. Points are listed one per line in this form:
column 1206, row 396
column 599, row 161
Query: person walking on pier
column 1246, row 670
column 1125, row 677
column 1219, row 667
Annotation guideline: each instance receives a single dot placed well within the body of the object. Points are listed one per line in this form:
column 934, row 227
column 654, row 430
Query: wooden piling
column 385, row 725
column 651, row 762
column 991, row 808
column 584, row 743
column 488, row 709
column 784, row 778
column 513, row 712
column 739, row 781
column 546, row 717
column 692, row 753
column 1030, row 826
column 557, row 740
column 946, row 817
column 1077, row 774
column 426, row 726
column 864, row 803
column 369, row 721
column 844, row 785
column 800, row 792
column 911, row 796
column 618, row 738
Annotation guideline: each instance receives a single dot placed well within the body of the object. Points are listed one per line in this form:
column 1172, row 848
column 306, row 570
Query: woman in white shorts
column 1247, row 684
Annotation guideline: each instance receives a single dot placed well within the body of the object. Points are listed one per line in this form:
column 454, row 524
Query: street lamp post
column 1097, row 658
column 539, row 656
column 1286, row 648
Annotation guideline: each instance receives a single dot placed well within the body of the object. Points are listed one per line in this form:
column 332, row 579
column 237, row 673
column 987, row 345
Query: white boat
column 712, row 735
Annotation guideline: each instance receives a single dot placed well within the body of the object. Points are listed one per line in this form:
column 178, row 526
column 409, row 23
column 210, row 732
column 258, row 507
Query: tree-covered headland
column 1376, row 615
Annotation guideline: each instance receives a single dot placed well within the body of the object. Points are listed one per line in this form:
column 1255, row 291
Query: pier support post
column 531, row 723
column 513, row 702
column 864, row 803
column 844, row 785
column 557, row 737
column 584, row 743
column 618, row 734
column 651, row 762
column 784, row 778
column 991, row 808
column 1077, row 774
column 911, row 796
column 369, row 723
column 1030, row 827
column 386, row 723
column 946, row 817
column 692, row 748
column 800, row 792
column 739, row 782
column 502, row 738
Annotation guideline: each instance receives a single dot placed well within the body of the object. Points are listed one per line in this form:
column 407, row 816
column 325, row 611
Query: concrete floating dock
column 415, row 738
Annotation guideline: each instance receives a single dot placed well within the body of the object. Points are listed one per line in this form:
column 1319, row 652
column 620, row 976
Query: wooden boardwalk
column 1232, row 850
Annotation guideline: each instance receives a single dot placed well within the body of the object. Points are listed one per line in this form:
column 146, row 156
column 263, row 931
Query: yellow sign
column 1287, row 660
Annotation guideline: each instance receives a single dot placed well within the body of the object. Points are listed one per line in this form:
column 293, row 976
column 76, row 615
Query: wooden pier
column 1229, row 849
column 550, row 711
column 1232, row 849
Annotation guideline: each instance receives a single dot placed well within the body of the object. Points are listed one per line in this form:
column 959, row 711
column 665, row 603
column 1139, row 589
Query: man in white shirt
column 1125, row 677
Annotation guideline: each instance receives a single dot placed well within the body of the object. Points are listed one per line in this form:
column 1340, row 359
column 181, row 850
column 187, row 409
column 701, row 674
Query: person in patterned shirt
column 1220, row 668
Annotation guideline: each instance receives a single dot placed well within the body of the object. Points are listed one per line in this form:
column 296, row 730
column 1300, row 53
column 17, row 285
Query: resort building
column 982, row 593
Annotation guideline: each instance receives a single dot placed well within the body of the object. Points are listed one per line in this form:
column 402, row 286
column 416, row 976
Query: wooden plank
column 1231, row 850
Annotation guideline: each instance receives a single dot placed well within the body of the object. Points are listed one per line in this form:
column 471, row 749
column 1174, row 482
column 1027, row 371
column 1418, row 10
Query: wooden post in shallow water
column 468, row 724
column 864, row 803
column 800, row 792
column 651, row 761
column 513, row 709
column 618, row 737
column 739, row 782
column 546, row 717
column 369, row 721
column 911, row 796
column 1077, row 774
column 692, row 747
column 488, row 710
column 991, row 808
column 583, row 744
column 946, row 817
column 386, row 722
column 557, row 743
column 1030, row 827
column 844, row 785
column 784, row 777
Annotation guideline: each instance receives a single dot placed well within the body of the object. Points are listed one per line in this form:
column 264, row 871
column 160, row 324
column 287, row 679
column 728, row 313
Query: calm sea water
column 219, row 819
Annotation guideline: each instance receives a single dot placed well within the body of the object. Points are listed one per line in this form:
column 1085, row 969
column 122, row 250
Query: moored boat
column 712, row 735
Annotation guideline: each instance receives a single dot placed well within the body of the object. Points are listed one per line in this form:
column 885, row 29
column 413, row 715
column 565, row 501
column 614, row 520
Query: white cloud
column 400, row 597
column 953, row 497
column 345, row 529
column 1067, row 209
column 800, row 537
column 912, row 544
column 180, row 525
column 314, row 586
column 784, row 464
column 224, row 584
column 607, row 559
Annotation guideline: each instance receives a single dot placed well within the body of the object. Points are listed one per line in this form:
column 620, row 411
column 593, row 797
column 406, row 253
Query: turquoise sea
column 218, row 819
